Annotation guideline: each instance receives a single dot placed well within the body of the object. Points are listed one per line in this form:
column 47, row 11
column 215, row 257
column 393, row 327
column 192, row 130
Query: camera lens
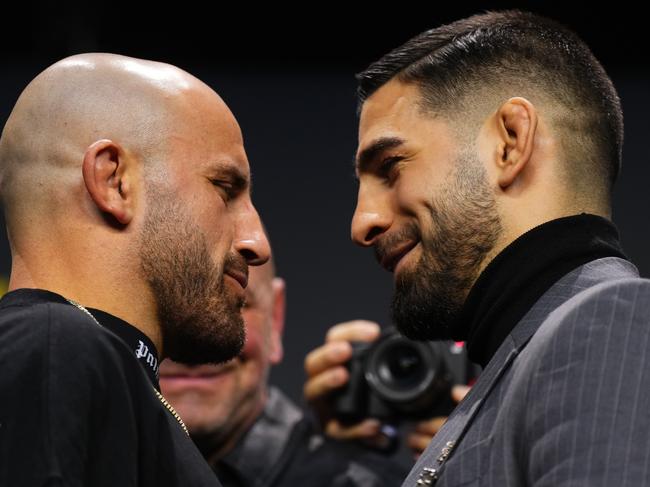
column 395, row 378
column 400, row 370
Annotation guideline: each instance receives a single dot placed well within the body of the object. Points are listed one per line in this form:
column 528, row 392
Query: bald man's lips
column 390, row 260
column 240, row 277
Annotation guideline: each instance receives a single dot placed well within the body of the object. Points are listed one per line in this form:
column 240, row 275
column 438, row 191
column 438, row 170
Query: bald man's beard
column 465, row 227
column 200, row 318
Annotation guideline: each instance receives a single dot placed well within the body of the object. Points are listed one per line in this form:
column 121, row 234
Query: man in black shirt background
column 125, row 188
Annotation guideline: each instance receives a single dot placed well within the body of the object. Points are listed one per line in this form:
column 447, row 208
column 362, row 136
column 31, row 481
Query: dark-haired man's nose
column 372, row 216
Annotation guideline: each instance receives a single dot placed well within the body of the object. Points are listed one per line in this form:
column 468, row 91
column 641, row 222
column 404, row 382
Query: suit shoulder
column 617, row 301
column 576, row 397
column 614, row 287
column 608, row 320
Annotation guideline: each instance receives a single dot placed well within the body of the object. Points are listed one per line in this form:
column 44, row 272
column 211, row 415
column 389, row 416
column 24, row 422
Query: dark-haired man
column 488, row 149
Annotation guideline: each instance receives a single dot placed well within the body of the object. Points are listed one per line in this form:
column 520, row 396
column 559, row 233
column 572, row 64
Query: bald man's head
column 77, row 101
column 133, row 172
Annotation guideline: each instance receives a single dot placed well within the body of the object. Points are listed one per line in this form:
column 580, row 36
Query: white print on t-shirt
column 150, row 358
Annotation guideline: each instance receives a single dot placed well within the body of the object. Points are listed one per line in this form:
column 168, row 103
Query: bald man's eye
column 225, row 187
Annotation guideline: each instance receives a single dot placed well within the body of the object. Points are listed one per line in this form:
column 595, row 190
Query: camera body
column 395, row 379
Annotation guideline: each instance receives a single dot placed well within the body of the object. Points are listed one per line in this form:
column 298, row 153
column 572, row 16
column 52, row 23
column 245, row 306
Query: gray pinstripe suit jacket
column 565, row 401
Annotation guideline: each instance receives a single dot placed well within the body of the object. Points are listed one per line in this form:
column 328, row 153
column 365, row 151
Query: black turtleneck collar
column 143, row 348
column 518, row 276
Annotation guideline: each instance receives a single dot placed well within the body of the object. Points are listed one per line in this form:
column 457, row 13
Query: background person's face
column 427, row 208
column 222, row 400
column 200, row 233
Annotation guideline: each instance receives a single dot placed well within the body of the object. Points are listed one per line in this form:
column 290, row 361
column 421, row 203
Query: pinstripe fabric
column 565, row 401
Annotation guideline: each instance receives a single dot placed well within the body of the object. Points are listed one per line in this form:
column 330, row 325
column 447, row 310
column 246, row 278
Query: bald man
column 125, row 187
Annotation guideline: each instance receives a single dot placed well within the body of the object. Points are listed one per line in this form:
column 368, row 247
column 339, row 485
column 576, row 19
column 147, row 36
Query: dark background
column 287, row 74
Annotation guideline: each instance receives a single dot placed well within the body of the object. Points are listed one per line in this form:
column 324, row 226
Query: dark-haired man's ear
column 107, row 180
column 516, row 121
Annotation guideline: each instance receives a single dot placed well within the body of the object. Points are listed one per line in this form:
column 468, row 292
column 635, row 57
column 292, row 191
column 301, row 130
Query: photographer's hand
column 326, row 372
column 424, row 431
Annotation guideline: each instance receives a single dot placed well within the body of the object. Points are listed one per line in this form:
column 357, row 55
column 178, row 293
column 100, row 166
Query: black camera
column 394, row 379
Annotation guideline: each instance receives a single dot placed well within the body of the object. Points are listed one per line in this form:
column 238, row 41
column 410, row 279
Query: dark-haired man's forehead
column 392, row 119
column 385, row 107
column 393, row 96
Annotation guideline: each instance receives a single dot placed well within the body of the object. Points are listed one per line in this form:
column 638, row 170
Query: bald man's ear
column 279, row 306
column 516, row 123
column 105, row 175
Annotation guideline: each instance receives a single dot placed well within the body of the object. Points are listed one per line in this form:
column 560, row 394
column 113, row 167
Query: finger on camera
column 417, row 442
column 320, row 385
column 459, row 392
column 366, row 429
column 354, row 331
column 326, row 357
column 429, row 427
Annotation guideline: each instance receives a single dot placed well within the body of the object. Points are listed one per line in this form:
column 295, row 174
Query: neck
column 94, row 286
column 512, row 282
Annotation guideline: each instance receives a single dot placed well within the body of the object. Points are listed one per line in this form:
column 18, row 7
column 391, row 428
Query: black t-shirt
column 76, row 407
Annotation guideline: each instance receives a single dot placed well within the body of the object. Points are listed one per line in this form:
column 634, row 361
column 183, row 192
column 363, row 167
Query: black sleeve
column 316, row 461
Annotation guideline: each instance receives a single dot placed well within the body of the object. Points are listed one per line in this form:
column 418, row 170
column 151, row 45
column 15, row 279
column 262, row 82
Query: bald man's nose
column 372, row 217
column 251, row 241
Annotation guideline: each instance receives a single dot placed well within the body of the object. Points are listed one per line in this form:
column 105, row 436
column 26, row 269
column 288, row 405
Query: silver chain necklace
column 160, row 397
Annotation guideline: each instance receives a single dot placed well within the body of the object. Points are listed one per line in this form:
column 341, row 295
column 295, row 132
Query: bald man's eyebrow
column 237, row 179
column 368, row 155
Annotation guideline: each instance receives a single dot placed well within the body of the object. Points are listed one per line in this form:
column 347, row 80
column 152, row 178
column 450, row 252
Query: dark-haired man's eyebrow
column 373, row 150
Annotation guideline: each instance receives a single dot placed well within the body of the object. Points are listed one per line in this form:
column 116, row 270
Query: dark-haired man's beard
column 200, row 317
column 465, row 227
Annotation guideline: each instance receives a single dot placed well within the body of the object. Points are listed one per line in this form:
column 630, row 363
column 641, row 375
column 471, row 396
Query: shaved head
column 77, row 101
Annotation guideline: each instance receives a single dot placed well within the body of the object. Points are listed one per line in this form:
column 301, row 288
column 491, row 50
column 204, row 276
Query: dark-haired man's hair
column 475, row 64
